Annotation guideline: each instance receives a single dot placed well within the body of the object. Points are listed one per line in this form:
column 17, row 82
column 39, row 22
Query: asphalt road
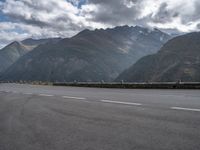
column 71, row 118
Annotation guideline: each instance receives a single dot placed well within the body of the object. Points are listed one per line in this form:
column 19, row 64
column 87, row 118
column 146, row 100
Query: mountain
column 12, row 52
column 36, row 42
column 88, row 56
column 178, row 59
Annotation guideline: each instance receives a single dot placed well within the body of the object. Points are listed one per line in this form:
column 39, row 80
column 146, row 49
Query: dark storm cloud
column 115, row 12
column 168, row 14
column 164, row 15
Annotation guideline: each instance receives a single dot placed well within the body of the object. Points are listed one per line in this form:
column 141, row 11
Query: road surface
column 71, row 118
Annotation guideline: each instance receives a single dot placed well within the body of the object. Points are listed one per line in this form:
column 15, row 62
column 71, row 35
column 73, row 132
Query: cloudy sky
column 20, row 19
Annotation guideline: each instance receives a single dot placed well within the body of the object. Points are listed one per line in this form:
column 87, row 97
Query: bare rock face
column 178, row 59
column 89, row 56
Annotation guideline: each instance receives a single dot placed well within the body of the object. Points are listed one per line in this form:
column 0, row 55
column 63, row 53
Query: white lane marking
column 186, row 109
column 78, row 98
column 119, row 102
column 47, row 95
column 28, row 93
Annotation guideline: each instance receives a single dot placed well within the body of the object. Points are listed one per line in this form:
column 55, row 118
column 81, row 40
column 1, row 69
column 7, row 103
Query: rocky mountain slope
column 89, row 56
column 12, row 52
column 178, row 59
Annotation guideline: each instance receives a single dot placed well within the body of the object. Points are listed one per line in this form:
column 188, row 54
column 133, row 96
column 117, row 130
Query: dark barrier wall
column 163, row 85
column 135, row 85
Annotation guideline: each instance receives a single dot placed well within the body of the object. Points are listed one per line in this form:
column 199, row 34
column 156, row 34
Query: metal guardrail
column 128, row 85
column 133, row 85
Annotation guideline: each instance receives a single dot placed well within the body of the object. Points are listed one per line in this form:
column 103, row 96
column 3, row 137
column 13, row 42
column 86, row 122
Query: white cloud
column 171, row 14
column 40, row 19
column 176, row 24
column 53, row 18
